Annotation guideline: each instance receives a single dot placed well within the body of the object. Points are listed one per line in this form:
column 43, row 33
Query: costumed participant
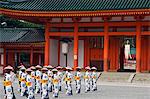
column 87, row 77
column 50, row 75
column 9, row 93
column 19, row 77
column 33, row 77
column 65, row 78
column 23, row 82
column 69, row 81
column 60, row 75
column 38, row 75
column 127, row 50
column 94, row 78
column 78, row 79
column 29, row 84
column 55, row 83
column 44, row 83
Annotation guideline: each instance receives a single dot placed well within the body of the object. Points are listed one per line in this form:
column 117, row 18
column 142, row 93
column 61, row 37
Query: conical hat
column 87, row 68
column 54, row 70
column 8, row 68
column 29, row 70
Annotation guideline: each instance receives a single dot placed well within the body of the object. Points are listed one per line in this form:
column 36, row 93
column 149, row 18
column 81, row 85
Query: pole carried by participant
column 9, row 93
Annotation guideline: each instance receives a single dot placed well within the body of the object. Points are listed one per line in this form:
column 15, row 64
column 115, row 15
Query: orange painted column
column 148, row 62
column 58, row 52
column 85, row 52
column 138, row 47
column 106, row 46
column 4, row 58
column 31, row 56
column 47, row 44
column 75, row 45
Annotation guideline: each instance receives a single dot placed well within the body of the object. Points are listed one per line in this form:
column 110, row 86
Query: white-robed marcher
column 9, row 93
column 38, row 75
column 33, row 77
column 55, row 83
column 94, row 78
column 60, row 75
column 69, row 81
column 44, row 83
column 65, row 78
column 77, row 78
column 23, row 82
column 19, row 77
column 29, row 84
column 87, row 77
column 50, row 79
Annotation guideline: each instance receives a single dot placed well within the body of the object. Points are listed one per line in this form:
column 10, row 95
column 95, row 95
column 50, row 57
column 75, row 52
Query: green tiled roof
column 21, row 35
column 77, row 5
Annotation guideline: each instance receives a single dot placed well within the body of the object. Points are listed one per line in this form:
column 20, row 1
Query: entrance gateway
column 87, row 25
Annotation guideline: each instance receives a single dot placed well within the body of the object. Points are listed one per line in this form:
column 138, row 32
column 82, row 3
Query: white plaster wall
column 53, row 52
column 70, row 55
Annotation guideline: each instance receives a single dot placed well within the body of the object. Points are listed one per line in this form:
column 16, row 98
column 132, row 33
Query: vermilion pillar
column 106, row 45
column 138, row 47
column 31, row 56
column 47, row 44
column 58, row 52
column 4, row 58
column 148, row 62
column 75, row 45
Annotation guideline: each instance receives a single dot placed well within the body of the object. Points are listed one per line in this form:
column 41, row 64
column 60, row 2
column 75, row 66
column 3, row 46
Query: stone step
column 142, row 78
column 115, row 77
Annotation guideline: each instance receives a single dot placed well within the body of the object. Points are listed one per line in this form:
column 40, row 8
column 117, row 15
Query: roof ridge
column 22, row 35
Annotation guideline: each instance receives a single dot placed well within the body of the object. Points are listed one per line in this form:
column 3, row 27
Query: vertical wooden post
column 138, row 45
column 85, row 53
column 4, row 58
column 75, row 45
column 58, row 52
column 148, row 62
column 106, row 45
column 47, row 44
column 31, row 56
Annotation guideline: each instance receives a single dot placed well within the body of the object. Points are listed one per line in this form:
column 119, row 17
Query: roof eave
column 75, row 13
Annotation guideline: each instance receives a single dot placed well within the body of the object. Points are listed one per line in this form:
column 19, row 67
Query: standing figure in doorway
column 127, row 50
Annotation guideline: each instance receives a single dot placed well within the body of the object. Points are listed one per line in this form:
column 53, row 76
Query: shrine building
column 112, row 35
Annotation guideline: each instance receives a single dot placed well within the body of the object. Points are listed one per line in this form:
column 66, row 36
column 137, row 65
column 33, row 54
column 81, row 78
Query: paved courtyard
column 104, row 92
